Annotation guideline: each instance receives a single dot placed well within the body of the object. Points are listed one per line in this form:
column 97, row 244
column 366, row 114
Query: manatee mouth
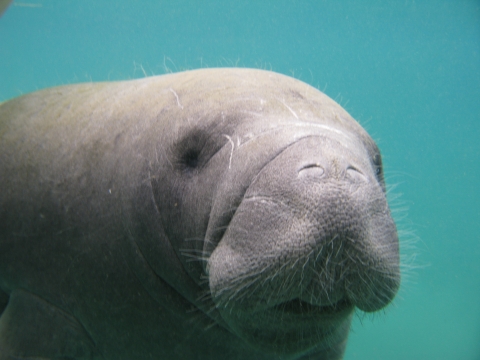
column 300, row 307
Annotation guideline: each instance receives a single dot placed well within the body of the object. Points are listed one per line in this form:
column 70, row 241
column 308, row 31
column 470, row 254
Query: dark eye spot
column 195, row 147
column 190, row 158
column 193, row 151
column 190, row 152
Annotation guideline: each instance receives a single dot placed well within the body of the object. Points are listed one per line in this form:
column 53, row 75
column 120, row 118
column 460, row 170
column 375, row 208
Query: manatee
column 207, row 214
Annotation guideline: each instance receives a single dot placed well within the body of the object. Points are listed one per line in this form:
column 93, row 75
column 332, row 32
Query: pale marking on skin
column 176, row 96
column 231, row 152
column 345, row 136
column 290, row 109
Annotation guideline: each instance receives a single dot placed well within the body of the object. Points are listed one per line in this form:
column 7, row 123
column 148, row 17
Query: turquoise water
column 409, row 71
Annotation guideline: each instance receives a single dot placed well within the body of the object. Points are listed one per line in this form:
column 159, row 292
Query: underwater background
column 407, row 70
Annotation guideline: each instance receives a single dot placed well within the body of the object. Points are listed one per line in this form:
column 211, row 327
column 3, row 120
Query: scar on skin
column 231, row 152
column 290, row 109
column 176, row 96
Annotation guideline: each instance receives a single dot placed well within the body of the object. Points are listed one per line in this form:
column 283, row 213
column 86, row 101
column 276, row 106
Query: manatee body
column 215, row 213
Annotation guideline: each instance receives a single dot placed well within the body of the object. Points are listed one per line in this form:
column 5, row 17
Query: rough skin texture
column 216, row 213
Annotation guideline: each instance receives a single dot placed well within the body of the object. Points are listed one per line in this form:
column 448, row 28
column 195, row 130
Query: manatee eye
column 190, row 158
column 193, row 151
column 190, row 152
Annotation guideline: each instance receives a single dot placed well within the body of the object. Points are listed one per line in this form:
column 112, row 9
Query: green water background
column 408, row 71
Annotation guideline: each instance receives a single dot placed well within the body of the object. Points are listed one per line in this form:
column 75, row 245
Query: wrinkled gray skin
column 217, row 213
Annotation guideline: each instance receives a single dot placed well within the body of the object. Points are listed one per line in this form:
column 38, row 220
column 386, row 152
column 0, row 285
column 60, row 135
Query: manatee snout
column 313, row 235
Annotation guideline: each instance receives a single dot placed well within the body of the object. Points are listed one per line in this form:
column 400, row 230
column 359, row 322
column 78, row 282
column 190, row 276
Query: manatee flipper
column 32, row 328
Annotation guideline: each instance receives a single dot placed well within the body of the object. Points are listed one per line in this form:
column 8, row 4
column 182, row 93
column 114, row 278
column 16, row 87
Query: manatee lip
column 301, row 307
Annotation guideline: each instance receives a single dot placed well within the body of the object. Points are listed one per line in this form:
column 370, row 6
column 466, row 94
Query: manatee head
column 282, row 197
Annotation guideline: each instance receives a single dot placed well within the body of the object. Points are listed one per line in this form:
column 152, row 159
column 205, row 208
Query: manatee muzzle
column 313, row 233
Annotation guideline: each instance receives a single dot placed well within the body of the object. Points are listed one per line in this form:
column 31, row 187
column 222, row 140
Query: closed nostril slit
column 311, row 170
column 355, row 174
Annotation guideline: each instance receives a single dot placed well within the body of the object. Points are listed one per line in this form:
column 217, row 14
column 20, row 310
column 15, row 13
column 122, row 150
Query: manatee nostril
column 311, row 171
column 354, row 174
